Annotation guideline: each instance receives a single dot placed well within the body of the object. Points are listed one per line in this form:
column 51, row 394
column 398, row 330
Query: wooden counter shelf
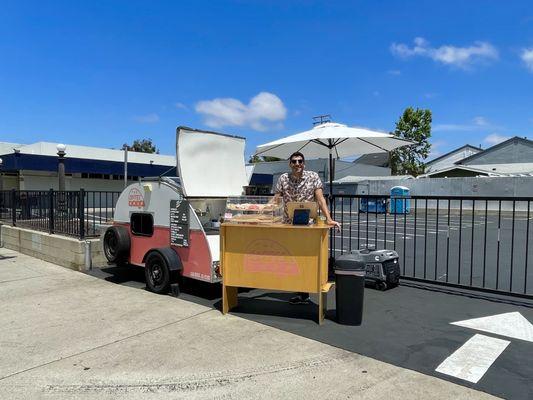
column 281, row 257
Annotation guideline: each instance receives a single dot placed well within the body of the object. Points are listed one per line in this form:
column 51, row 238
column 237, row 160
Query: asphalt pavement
column 68, row 335
column 409, row 326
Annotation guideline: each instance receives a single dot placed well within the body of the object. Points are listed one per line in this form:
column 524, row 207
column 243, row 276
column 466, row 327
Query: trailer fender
column 172, row 258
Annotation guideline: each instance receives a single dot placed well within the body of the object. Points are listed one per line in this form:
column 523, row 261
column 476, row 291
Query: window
column 142, row 224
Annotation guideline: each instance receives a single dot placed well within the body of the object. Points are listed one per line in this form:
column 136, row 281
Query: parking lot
column 488, row 251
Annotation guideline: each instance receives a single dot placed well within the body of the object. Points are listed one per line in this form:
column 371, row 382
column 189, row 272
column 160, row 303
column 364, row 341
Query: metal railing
column 72, row 213
column 480, row 243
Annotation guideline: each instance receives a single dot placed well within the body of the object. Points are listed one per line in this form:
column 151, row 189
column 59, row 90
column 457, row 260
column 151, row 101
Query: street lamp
column 61, row 166
column 1, row 188
column 61, row 175
column 1, row 181
column 125, row 148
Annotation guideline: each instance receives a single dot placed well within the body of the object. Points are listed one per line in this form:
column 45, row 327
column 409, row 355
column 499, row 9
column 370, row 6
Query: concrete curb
column 61, row 250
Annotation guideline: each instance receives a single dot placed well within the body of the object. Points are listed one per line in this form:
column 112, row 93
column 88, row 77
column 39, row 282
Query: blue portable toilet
column 399, row 200
column 373, row 205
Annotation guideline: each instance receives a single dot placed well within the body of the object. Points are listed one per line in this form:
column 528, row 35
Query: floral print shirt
column 298, row 189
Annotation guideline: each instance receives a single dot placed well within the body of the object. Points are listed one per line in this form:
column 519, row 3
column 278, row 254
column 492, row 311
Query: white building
column 34, row 167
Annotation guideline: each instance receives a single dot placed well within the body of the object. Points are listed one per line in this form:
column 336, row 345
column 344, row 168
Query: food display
column 254, row 210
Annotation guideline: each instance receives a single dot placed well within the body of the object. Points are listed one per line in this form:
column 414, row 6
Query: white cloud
column 462, row 57
column 480, row 121
column 436, row 149
column 148, row 118
column 262, row 111
column 495, row 138
column 453, row 127
column 181, row 106
column 527, row 58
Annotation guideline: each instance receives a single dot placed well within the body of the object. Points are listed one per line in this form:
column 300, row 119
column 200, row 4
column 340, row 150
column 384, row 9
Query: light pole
column 61, row 166
column 1, row 180
column 1, row 188
column 61, row 174
column 125, row 147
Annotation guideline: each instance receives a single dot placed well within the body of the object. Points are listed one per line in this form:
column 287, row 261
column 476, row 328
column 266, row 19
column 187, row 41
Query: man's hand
column 332, row 224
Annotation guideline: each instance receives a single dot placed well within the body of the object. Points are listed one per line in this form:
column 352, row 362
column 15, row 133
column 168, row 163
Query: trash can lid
column 350, row 262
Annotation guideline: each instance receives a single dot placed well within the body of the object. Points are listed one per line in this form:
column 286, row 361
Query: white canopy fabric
column 344, row 141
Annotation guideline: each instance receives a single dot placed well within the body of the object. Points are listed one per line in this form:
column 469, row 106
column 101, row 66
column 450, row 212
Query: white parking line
column 379, row 240
column 92, row 217
column 472, row 360
column 371, row 233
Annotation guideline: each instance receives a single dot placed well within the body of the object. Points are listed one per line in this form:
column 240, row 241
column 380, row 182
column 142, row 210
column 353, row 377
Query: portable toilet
column 400, row 202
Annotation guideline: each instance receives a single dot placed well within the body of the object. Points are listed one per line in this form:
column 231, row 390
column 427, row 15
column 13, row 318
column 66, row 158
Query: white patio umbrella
column 334, row 140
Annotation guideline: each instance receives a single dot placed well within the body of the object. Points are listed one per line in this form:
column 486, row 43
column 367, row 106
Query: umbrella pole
column 331, row 261
column 330, row 174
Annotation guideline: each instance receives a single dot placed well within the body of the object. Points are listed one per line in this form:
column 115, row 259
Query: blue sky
column 107, row 72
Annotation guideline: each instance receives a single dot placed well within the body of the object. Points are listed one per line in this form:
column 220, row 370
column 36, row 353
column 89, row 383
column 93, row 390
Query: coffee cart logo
column 269, row 256
column 135, row 198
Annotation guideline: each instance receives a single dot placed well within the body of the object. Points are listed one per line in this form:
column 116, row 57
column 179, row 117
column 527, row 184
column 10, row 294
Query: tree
column 143, row 146
column 255, row 159
column 413, row 125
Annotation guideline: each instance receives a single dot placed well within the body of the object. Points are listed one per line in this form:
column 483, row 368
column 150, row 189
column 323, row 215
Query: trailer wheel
column 116, row 244
column 157, row 273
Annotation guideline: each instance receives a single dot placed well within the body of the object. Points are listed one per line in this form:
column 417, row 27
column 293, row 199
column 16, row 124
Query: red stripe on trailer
column 196, row 258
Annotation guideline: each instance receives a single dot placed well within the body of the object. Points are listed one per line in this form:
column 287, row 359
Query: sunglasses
column 297, row 161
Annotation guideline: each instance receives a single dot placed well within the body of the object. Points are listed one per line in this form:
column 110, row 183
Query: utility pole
column 125, row 147
column 61, row 175
column 1, row 189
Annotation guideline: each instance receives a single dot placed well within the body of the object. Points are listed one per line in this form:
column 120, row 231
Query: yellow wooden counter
column 276, row 257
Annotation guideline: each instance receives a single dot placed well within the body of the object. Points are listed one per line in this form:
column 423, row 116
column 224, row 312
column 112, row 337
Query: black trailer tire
column 116, row 244
column 157, row 273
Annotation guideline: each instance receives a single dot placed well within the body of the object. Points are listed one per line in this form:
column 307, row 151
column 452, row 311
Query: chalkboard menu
column 179, row 223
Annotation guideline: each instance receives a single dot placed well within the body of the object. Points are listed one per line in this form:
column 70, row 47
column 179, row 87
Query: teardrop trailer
column 171, row 225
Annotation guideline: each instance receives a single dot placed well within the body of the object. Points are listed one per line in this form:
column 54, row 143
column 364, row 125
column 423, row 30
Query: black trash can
column 349, row 288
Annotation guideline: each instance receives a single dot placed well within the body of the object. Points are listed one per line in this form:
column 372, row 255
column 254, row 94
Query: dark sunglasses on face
column 297, row 161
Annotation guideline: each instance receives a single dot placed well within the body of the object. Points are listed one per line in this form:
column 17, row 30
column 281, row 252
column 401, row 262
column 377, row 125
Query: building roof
column 356, row 179
column 459, row 149
column 496, row 147
column 42, row 156
column 94, row 153
column 7, row 147
column 377, row 159
column 508, row 169
column 276, row 167
column 321, row 166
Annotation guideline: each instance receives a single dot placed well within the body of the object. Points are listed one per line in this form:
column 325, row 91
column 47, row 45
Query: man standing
column 301, row 185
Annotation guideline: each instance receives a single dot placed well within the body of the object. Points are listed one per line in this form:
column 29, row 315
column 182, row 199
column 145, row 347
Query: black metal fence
column 478, row 243
column 72, row 213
